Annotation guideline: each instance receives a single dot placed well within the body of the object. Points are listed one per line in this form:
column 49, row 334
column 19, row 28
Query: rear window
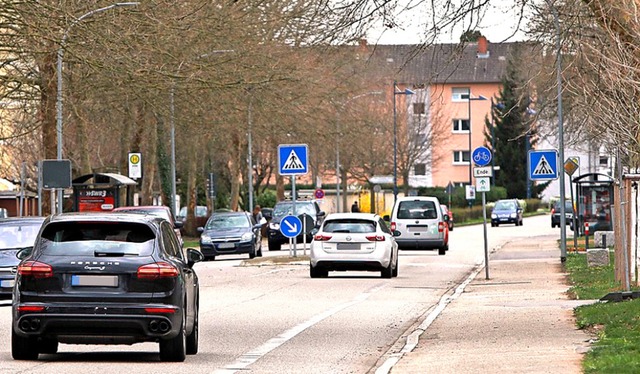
column 18, row 234
column 417, row 209
column 349, row 226
column 99, row 239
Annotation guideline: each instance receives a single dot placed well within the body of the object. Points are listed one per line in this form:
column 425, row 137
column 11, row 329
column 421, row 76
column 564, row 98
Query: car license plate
column 7, row 283
column 423, row 228
column 226, row 245
column 94, row 280
column 349, row 246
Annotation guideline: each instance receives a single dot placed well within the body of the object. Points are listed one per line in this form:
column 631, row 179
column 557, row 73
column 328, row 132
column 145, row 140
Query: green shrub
column 267, row 199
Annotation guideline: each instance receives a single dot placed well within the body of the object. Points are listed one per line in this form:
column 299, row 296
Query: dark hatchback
column 230, row 233
column 105, row 278
column 556, row 213
column 284, row 208
column 15, row 234
column 507, row 211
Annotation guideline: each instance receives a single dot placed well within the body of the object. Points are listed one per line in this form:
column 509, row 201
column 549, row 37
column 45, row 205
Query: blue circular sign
column 290, row 226
column 481, row 156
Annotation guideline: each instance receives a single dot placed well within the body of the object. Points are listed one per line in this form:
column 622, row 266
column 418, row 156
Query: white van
column 417, row 222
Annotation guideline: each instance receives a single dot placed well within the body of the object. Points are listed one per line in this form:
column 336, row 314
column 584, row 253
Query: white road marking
column 257, row 353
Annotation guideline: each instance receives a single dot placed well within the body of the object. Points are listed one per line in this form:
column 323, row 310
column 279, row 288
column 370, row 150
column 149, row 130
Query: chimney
column 483, row 47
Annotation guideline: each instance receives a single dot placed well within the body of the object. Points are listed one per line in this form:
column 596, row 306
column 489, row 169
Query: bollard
column 586, row 235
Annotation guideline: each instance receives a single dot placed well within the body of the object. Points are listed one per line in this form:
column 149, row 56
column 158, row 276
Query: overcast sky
column 498, row 24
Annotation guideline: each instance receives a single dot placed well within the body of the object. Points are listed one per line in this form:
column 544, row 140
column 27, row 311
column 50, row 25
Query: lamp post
column 395, row 138
column 173, row 128
column 60, row 55
column 338, row 143
column 479, row 98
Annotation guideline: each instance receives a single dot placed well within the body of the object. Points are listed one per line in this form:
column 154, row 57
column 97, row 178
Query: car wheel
column 395, row 270
column 49, row 346
column 252, row 254
column 387, row 272
column 174, row 349
column 23, row 348
column 451, row 227
column 552, row 225
column 442, row 250
column 260, row 251
column 192, row 339
column 273, row 246
column 315, row 272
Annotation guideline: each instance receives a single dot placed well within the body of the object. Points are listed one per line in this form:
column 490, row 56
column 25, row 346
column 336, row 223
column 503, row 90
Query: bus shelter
column 594, row 200
column 100, row 192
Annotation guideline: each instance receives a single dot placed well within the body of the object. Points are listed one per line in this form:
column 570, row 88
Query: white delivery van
column 417, row 222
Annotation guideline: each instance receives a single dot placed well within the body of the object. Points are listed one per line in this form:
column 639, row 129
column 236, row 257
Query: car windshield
column 221, row 222
column 18, row 234
column 161, row 213
column 99, row 239
column 284, row 209
column 505, row 205
column 417, row 209
column 349, row 226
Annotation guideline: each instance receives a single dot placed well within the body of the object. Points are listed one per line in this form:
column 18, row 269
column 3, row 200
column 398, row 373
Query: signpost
column 482, row 157
column 570, row 166
column 290, row 227
column 293, row 159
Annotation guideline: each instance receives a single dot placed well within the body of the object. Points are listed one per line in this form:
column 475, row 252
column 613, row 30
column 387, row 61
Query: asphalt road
column 275, row 319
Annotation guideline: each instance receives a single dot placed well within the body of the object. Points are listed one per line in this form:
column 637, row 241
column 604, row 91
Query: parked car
column 418, row 222
column 15, row 234
column 158, row 211
column 284, row 208
column 201, row 213
column 231, row 233
column 556, row 213
column 449, row 213
column 507, row 211
column 97, row 278
column 353, row 241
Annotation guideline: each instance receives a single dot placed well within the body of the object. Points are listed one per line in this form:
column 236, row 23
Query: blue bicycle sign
column 481, row 156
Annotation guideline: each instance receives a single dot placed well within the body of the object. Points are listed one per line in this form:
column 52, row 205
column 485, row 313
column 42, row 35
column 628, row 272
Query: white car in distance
column 353, row 241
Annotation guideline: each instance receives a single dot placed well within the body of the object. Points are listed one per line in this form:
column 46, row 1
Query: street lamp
column 173, row 128
column 395, row 138
column 63, row 43
column 479, row 98
column 338, row 143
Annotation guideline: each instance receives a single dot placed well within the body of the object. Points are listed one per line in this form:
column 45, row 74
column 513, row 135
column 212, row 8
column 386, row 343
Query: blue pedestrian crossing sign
column 543, row 165
column 293, row 159
column 290, row 226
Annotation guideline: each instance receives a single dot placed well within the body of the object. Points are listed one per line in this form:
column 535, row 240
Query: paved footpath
column 519, row 321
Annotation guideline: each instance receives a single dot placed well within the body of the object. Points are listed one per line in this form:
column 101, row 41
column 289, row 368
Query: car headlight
column 274, row 226
column 205, row 239
column 247, row 237
column 513, row 215
column 493, row 215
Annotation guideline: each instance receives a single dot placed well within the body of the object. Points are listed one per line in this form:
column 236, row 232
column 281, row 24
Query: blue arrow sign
column 293, row 159
column 542, row 165
column 290, row 226
column 481, row 156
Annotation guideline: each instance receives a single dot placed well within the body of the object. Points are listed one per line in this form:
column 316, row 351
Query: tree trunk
column 192, row 169
column 150, row 154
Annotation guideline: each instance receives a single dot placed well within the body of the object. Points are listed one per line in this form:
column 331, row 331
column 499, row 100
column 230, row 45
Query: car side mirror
column 200, row 229
column 193, row 256
column 178, row 224
column 24, row 253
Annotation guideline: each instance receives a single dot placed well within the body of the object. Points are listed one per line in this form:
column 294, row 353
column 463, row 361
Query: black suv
column 285, row 208
column 96, row 278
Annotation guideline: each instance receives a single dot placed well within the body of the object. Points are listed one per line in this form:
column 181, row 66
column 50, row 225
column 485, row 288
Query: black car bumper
column 99, row 324
column 217, row 249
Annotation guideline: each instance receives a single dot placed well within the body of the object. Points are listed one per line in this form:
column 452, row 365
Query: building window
column 420, row 169
column 461, row 157
column 460, row 94
column 418, row 108
column 604, row 161
column 460, row 125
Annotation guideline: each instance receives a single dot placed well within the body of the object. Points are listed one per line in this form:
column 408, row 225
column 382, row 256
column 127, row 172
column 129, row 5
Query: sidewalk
column 518, row 321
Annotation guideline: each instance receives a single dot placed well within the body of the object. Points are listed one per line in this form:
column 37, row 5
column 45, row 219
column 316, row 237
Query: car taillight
column 440, row 226
column 30, row 308
column 321, row 237
column 157, row 270
column 35, row 269
column 375, row 238
column 393, row 226
column 160, row 310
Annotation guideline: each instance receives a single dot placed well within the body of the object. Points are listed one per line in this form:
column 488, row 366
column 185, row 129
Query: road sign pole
column 484, row 224
column 293, row 198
